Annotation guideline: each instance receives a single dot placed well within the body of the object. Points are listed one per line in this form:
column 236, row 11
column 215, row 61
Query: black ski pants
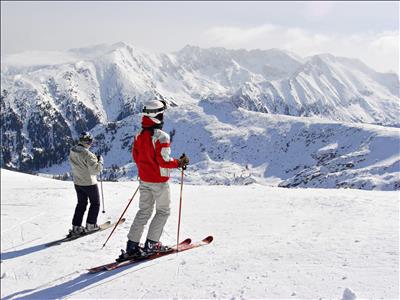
column 83, row 193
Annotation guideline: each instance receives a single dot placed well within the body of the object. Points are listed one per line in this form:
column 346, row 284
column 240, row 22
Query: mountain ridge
column 105, row 87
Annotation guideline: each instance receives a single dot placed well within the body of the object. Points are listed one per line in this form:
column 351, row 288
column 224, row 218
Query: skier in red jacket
column 151, row 153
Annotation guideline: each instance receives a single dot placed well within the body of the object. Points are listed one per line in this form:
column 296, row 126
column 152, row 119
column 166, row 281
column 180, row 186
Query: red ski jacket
column 152, row 154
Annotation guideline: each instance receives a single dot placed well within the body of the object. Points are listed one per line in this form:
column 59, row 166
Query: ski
column 180, row 248
column 102, row 227
column 183, row 246
column 105, row 267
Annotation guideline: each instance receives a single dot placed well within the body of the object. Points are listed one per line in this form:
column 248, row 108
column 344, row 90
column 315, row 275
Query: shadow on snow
column 22, row 252
column 71, row 286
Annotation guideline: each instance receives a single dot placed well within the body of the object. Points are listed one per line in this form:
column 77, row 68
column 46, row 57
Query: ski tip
column 187, row 241
column 208, row 239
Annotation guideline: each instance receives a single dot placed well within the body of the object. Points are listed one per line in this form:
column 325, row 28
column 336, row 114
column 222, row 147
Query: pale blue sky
column 367, row 30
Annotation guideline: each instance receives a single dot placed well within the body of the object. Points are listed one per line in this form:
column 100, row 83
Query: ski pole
column 116, row 224
column 102, row 193
column 180, row 207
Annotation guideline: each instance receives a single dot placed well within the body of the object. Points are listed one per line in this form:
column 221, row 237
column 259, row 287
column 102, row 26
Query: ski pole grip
column 184, row 166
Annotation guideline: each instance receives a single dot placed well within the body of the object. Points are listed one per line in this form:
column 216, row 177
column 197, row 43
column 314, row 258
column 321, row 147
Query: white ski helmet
column 153, row 109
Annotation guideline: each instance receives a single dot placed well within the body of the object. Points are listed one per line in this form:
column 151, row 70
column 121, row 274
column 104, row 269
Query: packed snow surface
column 268, row 243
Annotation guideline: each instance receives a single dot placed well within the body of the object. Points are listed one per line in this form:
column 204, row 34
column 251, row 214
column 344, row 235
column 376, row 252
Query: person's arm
column 135, row 151
column 163, row 153
column 94, row 165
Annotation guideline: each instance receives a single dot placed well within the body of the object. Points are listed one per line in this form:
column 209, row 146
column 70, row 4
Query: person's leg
column 146, row 204
column 94, row 197
column 161, row 194
column 80, row 207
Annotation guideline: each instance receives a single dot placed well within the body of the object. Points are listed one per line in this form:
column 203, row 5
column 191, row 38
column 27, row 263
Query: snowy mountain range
column 242, row 116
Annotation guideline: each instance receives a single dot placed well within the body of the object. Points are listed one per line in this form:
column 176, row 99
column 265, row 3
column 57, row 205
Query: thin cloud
column 378, row 50
column 318, row 9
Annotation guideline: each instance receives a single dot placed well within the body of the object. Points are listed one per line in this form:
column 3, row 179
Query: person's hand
column 183, row 161
column 100, row 159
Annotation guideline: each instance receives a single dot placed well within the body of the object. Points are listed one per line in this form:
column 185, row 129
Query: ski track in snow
column 268, row 243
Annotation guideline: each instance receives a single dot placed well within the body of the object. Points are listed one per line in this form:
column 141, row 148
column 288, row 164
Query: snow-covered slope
column 288, row 151
column 268, row 243
column 48, row 98
column 235, row 146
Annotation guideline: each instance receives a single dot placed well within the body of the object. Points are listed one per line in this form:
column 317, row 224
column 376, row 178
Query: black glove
column 100, row 159
column 183, row 161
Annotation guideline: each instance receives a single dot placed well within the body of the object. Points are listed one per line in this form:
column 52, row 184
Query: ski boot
column 91, row 227
column 152, row 247
column 133, row 250
column 76, row 231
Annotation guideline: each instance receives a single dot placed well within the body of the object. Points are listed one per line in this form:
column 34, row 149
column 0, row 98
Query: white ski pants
column 150, row 194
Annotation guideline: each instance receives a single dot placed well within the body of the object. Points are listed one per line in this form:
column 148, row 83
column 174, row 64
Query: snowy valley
column 259, row 116
column 269, row 243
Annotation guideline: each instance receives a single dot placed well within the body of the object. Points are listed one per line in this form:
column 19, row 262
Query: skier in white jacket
column 85, row 166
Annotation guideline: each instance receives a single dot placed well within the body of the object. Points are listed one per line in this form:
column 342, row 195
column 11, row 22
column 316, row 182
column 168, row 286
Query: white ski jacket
column 84, row 165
